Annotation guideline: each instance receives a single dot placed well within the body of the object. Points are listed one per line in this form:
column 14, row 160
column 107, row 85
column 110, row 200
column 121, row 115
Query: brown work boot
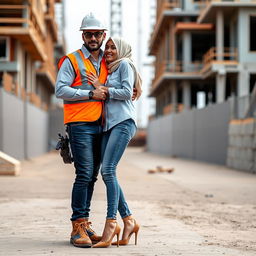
column 91, row 233
column 79, row 236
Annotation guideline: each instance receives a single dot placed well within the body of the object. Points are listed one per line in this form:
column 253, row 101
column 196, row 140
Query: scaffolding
column 116, row 18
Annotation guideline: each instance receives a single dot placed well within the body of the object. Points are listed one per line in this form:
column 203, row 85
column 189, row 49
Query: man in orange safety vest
column 83, row 116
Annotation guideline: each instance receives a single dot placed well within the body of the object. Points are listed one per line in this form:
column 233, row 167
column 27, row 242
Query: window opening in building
column 169, row 96
column 201, row 43
column 253, row 33
column 179, row 94
column 252, row 81
column 4, row 50
column 193, row 98
column 231, row 85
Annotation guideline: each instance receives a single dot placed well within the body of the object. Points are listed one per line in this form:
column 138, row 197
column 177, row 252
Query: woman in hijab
column 119, row 128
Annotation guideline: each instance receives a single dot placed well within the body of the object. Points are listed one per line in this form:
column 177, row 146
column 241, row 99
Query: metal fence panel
column 184, row 134
column 37, row 128
column 55, row 125
column 24, row 127
column 200, row 134
column 12, row 131
column 161, row 139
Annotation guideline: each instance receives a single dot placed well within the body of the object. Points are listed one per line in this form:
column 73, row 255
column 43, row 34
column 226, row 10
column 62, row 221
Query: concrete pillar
column 219, row 34
column 220, row 87
column 174, row 96
column 243, row 88
column 20, row 60
column 243, row 91
column 25, row 15
column 29, row 71
column 172, row 42
column 186, row 48
column 233, row 34
column 186, row 94
column 33, row 77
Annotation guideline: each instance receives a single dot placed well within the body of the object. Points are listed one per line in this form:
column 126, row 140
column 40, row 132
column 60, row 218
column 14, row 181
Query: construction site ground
column 198, row 209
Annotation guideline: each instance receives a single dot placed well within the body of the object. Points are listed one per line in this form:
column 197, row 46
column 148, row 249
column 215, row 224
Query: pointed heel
column 117, row 237
column 136, row 236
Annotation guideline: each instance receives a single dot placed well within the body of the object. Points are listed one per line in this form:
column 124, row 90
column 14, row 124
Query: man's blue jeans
column 85, row 141
column 114, row 143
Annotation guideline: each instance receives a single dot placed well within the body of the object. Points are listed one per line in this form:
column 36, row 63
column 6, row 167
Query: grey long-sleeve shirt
column 66, row 76
column 119, row 106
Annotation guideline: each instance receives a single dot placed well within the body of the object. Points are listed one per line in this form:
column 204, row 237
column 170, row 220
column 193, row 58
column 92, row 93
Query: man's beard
column 95, row 48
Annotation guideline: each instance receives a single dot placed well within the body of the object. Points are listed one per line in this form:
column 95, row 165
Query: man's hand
column 134, row 94
column 99, row 93
column 104, row 88
column 93, row 78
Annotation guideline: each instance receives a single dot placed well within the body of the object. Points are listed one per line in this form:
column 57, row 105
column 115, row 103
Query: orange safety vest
column 83, row 110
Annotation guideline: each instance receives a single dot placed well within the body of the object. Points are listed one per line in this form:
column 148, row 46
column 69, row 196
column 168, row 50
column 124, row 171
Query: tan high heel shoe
column 104, row 244
column 135, row 230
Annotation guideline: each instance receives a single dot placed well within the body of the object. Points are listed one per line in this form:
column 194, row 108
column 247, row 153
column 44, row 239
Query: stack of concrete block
column 8, row 165
column 242, row 145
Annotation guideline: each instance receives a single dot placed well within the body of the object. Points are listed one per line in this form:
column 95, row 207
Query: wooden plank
column 9, row 165
column 3, row 6
column 9, row 30
column 192, row 26
column 225, row 62
column 13, row 20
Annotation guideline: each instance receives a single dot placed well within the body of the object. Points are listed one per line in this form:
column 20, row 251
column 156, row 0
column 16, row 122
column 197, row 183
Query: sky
column 138, row 38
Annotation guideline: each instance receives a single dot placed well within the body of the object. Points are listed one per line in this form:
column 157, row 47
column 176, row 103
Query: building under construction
column 204, row 85
column 29, row 45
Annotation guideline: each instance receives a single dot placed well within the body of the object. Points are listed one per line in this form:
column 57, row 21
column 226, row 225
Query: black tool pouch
column 65, row 152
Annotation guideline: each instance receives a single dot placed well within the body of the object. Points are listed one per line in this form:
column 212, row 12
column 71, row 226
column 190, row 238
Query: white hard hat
column 90, row 22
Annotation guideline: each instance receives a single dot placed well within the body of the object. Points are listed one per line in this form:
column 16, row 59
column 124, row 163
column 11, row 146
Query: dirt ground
column 230, row 225
column 216, row 202
column 198, row 209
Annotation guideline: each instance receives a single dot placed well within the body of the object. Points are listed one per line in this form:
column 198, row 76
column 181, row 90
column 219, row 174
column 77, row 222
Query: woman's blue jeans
column 114, row 143
column 85, row 141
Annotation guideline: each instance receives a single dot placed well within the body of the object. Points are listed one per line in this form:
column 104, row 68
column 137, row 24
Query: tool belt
column 63, row 146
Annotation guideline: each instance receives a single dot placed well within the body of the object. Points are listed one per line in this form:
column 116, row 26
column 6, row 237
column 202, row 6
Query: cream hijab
column 124, row 52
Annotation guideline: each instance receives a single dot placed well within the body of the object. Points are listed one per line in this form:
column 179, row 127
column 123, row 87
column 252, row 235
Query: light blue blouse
column 119, row 106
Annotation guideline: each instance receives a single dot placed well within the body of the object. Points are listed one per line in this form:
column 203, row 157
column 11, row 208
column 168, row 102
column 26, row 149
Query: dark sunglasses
column 89, row 35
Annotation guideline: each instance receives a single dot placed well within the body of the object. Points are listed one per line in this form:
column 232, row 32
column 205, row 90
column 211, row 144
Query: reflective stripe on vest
column 83, row 110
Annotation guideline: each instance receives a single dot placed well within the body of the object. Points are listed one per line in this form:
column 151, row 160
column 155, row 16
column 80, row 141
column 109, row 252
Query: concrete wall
column 184, row 134
column 211, row 133
column 23, row 128
column 55, row 125
column 245, row 56
column 12, row 131
column 200, row 134
column 160, row 135
column 189, row 5
column 37, row 128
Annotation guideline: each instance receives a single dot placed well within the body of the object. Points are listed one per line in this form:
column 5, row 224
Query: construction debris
column 9, row 165
column 161, row 170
